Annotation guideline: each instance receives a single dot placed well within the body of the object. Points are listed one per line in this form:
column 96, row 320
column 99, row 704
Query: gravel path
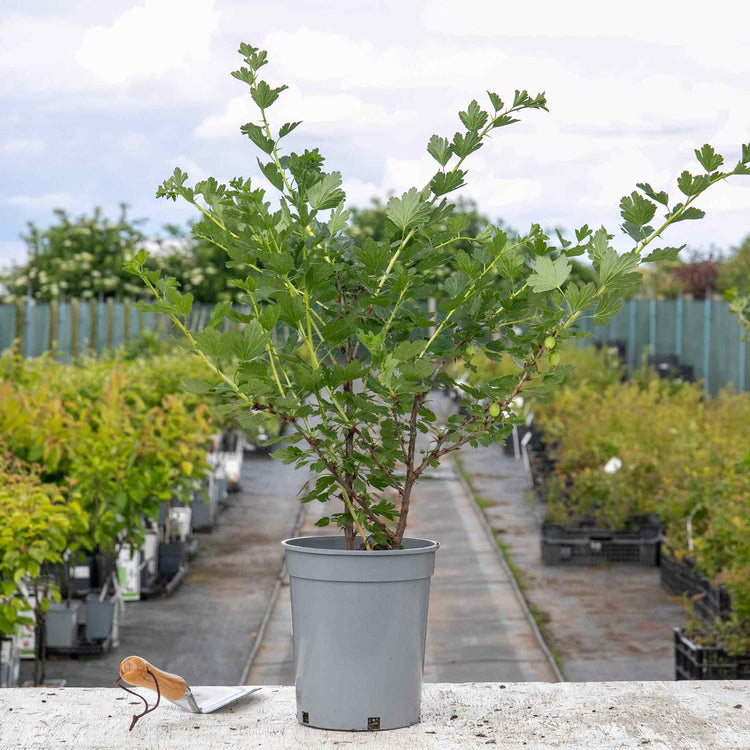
column 604, row 623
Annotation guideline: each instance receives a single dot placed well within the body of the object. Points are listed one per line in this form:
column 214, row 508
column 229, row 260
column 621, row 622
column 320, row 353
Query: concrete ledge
column 470, row 715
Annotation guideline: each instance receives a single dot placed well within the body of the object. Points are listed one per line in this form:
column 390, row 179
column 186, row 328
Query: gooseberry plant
column 338, row 337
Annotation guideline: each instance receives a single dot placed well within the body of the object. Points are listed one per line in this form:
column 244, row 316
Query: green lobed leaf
column 580, row 298
column 663, row 253
column 636, row 209
column 708, row 158
column 272, row 174
column 608, row 307
column 219, row 313
column 183, row 303
column 549, row 274
column 440, row 149
column 410, row 210
column 496, row 101
column 197, row 386
column 264, row 96
column 257, row 135
column 215, row 344
column 691, row 213
column 463, row 145
column 660, row 197
column 615, row 271
column 326, row 193
column 690, row 185
column 446, row 182
column 474, row 118
column 288, row 127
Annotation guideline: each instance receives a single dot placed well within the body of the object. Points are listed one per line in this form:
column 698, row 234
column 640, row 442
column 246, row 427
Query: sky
column 100, row 101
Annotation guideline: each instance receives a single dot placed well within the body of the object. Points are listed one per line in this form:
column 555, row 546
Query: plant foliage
column 340, row 341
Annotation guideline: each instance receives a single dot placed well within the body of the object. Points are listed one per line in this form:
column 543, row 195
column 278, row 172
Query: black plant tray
column 591, row 546
column 679, row 579
column 693, row 662
column 161, row 586
column 542, row 467
column 82, row 647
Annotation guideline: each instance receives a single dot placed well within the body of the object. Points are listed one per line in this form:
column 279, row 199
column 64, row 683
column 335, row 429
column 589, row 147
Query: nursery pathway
column 206, row 629
column 477, row 630
column 604, row 623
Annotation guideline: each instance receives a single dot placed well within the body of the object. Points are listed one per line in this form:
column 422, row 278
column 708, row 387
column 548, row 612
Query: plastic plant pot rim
column 316, row 545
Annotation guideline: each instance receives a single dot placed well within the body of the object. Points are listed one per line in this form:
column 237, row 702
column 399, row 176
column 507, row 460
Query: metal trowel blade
column 207, row 699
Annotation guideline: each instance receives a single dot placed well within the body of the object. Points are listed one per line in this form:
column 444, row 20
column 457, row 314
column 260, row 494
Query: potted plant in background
column 40, row 525
column 338, row 343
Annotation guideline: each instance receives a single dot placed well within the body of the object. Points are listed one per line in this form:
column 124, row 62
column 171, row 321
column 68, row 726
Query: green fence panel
column 693, row 323
column 7, row 326
column 725, row 350
column 64, row 330
column 665, row 325
column 39, row 329
column 703, row 335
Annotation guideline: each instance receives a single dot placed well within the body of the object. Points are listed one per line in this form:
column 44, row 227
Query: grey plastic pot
column 202, row 517
column 359, row 621
column 99, row 618
column 62, row 624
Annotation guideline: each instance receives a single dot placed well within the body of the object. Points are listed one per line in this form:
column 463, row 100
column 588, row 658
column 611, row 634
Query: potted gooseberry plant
column 337, row 340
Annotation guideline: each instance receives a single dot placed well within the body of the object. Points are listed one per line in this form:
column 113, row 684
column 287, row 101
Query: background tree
column 735, row 270
column 200, row 267
column 77, row 257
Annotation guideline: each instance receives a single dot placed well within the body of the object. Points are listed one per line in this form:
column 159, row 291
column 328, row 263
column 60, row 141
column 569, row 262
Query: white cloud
column 133, row 143
column 693, row 27
column 23, row 146
column 42, row 201
column 350, row 62
column 37, row 54
column 359, row 192
column 195, row 171
column 149, row 40
column 617, row 175
column 314, row 110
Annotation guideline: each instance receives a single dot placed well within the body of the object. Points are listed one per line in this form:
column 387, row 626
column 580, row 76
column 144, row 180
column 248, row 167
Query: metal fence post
column 94, row 326
column 652, row 325
column 743, row 355
column 631, row 335
column 28, row 331
column 126, row 303
column 110, row 315
column 54, row 325
column 20, row 326
column 75, row 319
column 706, row 341
column 678, row 328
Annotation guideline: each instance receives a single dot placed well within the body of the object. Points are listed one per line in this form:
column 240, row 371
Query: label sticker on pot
column 129, row 575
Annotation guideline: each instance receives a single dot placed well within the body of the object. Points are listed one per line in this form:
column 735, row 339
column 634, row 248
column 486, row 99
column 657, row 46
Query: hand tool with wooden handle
column 199, row 700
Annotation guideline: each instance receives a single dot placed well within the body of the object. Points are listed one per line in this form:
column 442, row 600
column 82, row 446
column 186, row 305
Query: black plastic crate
column 709, row 602
column 668, row 367
column 584, row 545
column 542, row 466
column 693, row 662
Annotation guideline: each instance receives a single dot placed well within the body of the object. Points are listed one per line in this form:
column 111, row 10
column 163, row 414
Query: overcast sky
column 99, row 101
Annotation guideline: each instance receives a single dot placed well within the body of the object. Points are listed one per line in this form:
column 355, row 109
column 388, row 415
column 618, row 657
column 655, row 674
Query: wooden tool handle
column 135, row 671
